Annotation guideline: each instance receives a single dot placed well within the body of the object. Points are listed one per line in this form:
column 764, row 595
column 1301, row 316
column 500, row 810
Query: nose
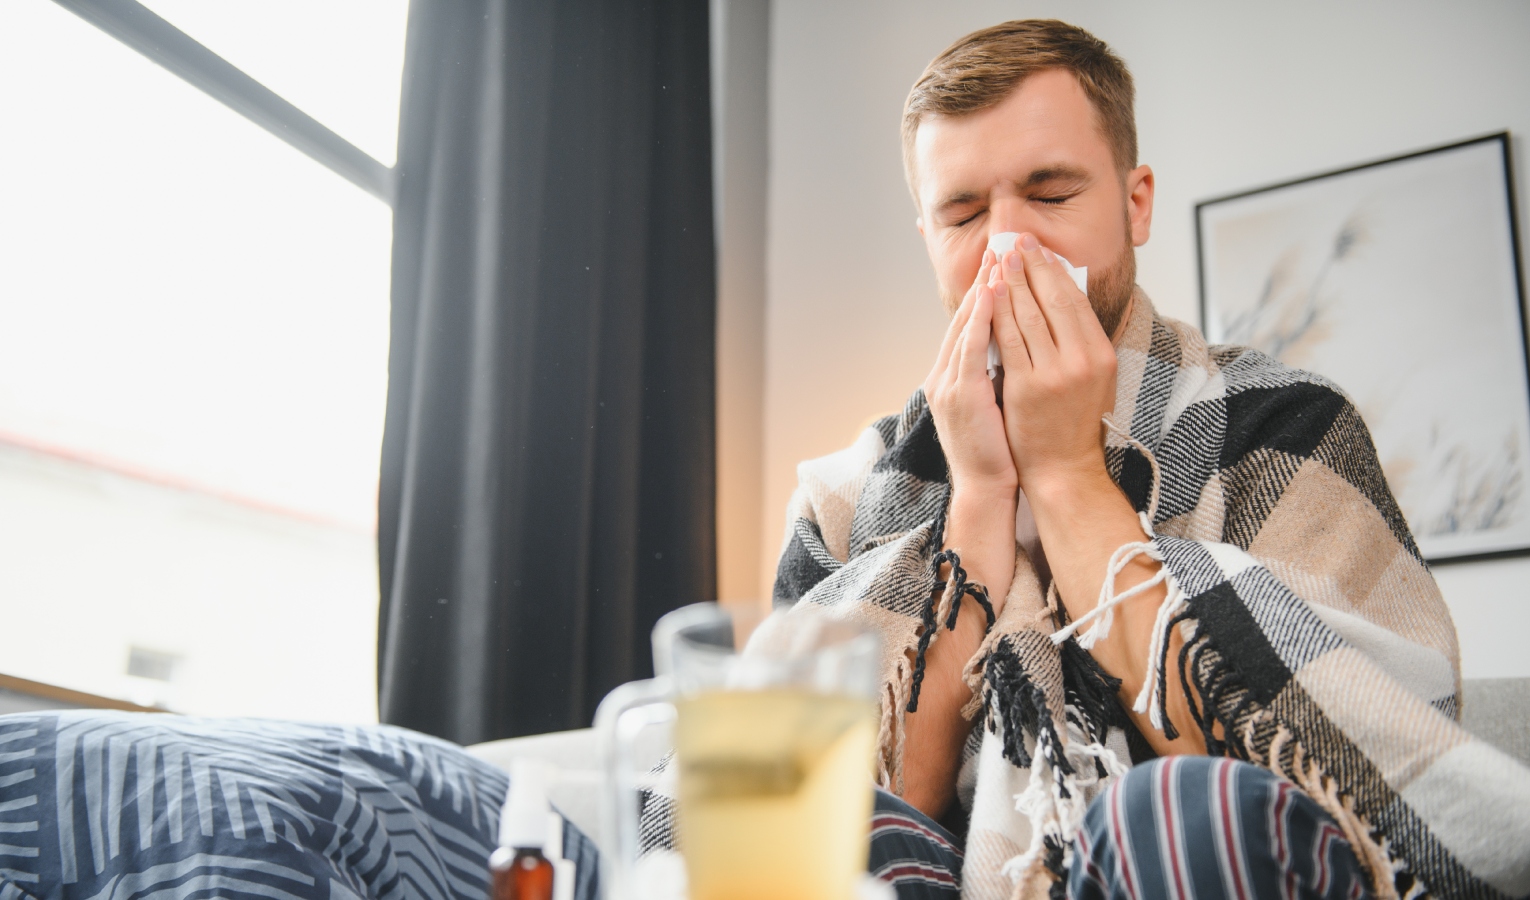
column 1009, row 214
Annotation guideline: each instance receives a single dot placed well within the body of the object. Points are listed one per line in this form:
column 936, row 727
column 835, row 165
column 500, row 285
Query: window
column 193, row 349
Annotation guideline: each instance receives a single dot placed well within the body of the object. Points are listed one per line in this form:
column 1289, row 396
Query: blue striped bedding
column 159, row 807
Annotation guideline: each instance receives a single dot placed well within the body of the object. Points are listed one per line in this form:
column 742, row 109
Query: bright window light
column 193, row 351
column 337, row 60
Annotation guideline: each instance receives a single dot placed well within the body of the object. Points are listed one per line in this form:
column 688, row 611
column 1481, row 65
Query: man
column 1132, row 545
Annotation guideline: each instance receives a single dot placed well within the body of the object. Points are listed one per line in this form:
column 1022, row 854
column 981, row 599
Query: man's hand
column 980, row 525
column 961, row 397
column 1059, row 369
column 1060, row 381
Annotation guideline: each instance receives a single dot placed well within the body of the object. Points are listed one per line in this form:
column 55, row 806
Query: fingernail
column 1048, row 254
column 1013, row 262
column 1028, row 241
column 1000, row 291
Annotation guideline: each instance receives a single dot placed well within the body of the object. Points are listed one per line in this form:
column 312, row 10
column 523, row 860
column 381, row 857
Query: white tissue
column 1003, row 243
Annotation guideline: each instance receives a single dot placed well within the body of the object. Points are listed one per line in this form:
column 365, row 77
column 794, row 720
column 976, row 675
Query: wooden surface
column 67, row 697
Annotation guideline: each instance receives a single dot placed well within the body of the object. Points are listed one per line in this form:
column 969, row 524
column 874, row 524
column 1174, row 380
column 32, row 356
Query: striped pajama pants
column 1176, row 827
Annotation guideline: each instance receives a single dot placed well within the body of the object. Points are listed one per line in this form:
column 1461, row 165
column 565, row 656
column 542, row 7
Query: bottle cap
column 523, row 821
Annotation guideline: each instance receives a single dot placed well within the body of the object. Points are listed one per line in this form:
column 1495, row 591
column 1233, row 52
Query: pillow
column 131, row 805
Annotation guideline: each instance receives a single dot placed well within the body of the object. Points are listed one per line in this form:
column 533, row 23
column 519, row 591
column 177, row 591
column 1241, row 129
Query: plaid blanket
column 1315, row 637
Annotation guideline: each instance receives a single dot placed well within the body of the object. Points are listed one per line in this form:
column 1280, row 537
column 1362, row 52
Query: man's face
column 1036, row 162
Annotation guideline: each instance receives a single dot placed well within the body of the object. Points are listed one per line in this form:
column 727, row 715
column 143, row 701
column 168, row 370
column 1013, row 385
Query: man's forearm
column 1083, row 519
column 981, row 529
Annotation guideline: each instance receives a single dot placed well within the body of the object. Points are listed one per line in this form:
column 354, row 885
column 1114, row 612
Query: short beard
column 1110, row 291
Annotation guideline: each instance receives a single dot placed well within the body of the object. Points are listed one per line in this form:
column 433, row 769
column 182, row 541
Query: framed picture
column 1400, row 281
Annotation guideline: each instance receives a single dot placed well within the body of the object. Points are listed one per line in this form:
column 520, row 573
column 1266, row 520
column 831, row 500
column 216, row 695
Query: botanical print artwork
column 1399, row 282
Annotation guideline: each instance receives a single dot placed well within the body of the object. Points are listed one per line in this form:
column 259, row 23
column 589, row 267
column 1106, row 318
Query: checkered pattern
column 1316, row 638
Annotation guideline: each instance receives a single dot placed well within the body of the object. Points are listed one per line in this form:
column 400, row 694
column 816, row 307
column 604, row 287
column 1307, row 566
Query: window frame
column 137, row 26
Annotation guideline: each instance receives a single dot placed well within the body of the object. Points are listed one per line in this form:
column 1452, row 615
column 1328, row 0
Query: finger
column 1056, row 294
column 1006, row 331
column 985, row 268
column 1032, row 323
column 954, row 330
column 974, row 357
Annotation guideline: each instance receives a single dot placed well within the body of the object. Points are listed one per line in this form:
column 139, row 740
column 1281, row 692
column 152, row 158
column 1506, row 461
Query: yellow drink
column 775, row 793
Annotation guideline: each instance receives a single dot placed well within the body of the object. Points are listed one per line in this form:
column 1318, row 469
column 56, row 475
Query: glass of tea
column 774, row 743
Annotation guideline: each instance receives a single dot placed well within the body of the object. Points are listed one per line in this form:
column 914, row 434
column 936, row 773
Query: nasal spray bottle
column 519, row 869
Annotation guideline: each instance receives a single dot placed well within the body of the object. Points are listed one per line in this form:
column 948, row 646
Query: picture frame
column 1401, row 281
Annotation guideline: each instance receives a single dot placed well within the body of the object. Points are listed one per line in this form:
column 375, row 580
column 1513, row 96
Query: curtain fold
column 548, row 458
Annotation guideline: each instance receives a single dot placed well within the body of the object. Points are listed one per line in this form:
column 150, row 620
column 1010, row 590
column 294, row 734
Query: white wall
column 1229, row 97
column 740, row 110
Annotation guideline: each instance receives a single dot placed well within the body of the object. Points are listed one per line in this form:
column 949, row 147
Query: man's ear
column 919, row 224
column 1139, row 203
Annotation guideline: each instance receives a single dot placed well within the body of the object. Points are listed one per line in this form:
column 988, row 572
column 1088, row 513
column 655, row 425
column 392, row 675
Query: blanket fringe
column 1228, row 704
column 1016, row 706
column 901, row 694
column 1105, row 607
column 974, row 672
column 1307, row 774
column 1151, row 698
column 947, row 605
column 892, row 731
column 1064, row 766
column 1055, row 801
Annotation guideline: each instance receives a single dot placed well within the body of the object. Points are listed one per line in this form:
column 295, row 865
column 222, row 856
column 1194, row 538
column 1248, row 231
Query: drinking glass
column 774, row 744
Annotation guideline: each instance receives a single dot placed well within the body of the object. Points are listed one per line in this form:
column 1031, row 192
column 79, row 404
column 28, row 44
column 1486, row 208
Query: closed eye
column 1052, row 200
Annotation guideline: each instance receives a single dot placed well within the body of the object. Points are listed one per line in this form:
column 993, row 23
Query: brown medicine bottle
column 518, row 870
column 520, row 873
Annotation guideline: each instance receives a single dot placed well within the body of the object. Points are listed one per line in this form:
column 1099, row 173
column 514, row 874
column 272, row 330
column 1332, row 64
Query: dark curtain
column 548, row 460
